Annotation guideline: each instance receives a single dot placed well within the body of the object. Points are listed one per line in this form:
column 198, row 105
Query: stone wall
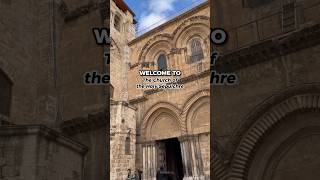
column 36, row 152
column 260, row 22
column 46, row 47
column 78, row 53
column 120, row 51
column 122, row 115
column 123, row 126
column 26, row 58
column 273, row 73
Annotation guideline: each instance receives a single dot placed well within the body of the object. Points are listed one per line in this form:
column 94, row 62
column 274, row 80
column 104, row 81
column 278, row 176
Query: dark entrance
column 174, row 159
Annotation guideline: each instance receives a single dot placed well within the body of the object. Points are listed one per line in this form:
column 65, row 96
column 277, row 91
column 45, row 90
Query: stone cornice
column 83, row 10
column 43, row 131
column 138, row 100
column 124, row 103
column 269, row 49
column 84, row 124
column 183, row 80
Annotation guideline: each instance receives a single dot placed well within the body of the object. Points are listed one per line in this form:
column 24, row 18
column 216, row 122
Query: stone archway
column 160, row 124
column 247, row 151
column 164, row 121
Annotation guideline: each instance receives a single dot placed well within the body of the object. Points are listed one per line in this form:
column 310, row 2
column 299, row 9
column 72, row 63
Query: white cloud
column 157, row 13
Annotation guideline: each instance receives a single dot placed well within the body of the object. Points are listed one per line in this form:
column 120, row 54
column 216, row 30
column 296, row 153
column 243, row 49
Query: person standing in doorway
column 129, row 176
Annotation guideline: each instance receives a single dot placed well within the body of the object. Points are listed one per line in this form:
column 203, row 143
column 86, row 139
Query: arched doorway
column 178, row 140
column 162, row 147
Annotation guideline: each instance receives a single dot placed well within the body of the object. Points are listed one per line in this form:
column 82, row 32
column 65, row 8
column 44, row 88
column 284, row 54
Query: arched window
column 162, row 62
column 127, row 146
column 196, row 51
column 117, row 22
column 5, row 94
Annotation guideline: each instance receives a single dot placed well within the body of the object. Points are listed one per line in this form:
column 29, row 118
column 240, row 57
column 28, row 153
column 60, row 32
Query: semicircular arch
column 165, row 112
column 160, row 38
column 200, row 23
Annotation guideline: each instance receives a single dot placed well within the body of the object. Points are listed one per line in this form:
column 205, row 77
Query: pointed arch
column 196, row 101
column 156, row 111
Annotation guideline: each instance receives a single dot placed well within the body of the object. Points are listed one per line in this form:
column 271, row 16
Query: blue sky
column 151, row 13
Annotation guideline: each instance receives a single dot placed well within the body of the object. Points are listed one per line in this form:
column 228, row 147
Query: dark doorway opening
column 174, row 159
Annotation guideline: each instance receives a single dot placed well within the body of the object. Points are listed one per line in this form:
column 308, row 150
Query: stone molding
column 50, row 134
column 266, row 121
column 138, row 100
column 84, row 124
column 183, row 80
column 269, row 49
column 124, row 103
column 218, row 167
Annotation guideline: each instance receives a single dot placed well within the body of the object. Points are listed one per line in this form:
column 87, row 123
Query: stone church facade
column 160, row 128
column 267, row 126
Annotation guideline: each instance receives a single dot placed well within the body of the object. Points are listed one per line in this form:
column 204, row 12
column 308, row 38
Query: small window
column 288, row 17
column 127, row 146
column 117, row 22
column 5, row 94
column 162, row 62
column 111, row 91
column 196, row 51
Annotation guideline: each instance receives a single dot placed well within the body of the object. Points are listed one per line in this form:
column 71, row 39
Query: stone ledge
column 43, row 131
column 138, row 100
column 85, row 124
column 124, row 103
column 269, row 49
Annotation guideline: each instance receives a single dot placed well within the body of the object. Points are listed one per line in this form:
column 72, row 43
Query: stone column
column 144, row 165
column 186, row 157
column 191, row 158
column 198, row 172
column 149, row 161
